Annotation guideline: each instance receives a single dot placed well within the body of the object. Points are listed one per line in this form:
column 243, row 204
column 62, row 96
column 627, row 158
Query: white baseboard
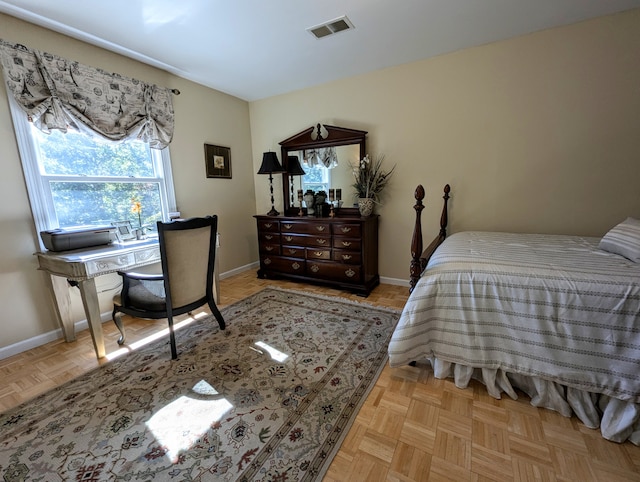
column 394, row 281
column 241, row 269
column 39, row 340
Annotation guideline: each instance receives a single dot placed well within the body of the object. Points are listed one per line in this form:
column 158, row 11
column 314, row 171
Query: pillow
column 623, row 239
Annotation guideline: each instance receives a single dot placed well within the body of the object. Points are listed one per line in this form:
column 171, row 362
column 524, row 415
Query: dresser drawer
column 344, row 256
column 270, row 248
column 334, row 271
column 268, row 226
column 319, row 241
column 293, row 239
column 283, row 265
column 293, row 251
column 318, row 253
column 350, row 230
column 346, row 243
column 269, row 237
column 305, row 227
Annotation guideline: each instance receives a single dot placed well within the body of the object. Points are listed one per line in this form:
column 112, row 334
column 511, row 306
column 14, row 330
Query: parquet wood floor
column 411, row 427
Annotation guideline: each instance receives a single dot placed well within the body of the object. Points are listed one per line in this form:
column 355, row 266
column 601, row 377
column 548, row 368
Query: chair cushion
column 147, row 295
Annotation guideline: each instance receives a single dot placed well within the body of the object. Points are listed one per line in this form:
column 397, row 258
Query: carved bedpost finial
column 415, row 267
column 444, row 219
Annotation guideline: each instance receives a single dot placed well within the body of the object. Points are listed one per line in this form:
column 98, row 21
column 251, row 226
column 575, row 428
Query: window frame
column 38, row 188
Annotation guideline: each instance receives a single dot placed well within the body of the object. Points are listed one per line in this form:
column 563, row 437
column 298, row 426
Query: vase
column 365, row 206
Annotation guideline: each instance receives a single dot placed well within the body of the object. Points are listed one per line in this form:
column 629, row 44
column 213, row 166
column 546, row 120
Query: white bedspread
column 552, row 315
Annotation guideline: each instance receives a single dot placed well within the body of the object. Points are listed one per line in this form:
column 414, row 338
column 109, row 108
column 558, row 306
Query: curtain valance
column 57, row 93
column 323, row 156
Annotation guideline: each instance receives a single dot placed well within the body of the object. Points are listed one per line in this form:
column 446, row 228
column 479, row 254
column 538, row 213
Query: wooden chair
column 187, row 252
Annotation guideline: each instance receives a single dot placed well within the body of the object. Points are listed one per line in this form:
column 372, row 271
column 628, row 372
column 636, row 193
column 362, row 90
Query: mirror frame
column 336, row 136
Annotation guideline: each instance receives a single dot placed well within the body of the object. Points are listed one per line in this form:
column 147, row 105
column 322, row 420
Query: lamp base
column 273, row 212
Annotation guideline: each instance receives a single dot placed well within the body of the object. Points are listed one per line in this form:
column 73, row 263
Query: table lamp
column 294, row 169
column 270, row 164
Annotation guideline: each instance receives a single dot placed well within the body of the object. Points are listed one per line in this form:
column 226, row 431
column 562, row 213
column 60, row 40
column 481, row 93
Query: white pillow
column 623, row 239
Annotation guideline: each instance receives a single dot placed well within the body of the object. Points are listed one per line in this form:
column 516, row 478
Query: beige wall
column 202, row 116
column 536, row 134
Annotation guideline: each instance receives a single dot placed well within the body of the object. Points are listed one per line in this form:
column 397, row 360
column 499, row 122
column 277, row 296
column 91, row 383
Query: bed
column 557, row 317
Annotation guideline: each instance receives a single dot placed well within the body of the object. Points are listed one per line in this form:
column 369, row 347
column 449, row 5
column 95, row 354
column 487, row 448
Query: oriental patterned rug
column 270, row 398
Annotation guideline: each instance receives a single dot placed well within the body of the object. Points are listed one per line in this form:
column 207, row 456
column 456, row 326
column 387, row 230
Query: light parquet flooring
column 412, row 427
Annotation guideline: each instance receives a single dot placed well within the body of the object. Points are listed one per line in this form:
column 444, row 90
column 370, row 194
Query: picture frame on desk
column 124, row 230
column 217, row 161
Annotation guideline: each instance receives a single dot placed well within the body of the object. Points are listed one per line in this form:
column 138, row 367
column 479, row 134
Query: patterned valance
column 57, row 93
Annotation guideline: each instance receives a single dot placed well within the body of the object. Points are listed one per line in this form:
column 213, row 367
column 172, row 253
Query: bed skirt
column 618, row 420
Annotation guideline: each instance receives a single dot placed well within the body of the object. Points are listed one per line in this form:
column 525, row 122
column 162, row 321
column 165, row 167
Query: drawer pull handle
column 350, row 273
column 346, row 243
column 288, row 238
column 346, row 229
column 295, row 266
column 269, row 248
column 318, row 254
column 321, row 241
column 268, row 225
column 346, row 257
column 292, row 251
column 321, row 228
column 268, row 236
column 287, row 226
column 315, row 268
column 267, row 261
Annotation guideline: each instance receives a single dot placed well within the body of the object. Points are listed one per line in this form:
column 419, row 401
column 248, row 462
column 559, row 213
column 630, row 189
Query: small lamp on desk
column 270, row 164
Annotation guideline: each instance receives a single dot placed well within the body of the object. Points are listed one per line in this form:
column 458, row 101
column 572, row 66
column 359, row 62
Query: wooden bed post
column 444, row 218
column 416, row 242
column 419, row 258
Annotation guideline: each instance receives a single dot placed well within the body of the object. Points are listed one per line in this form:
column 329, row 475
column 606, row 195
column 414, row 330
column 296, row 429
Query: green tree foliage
column 94, row 181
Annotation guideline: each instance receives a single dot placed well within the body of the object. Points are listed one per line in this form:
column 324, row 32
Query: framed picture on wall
column 217, row 161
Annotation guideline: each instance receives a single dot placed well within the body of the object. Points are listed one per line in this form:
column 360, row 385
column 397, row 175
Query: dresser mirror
column 350, row 147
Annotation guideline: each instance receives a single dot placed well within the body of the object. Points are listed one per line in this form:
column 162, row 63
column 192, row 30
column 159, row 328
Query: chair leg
column 172, row 339
column 117, row 319
column 216, row 312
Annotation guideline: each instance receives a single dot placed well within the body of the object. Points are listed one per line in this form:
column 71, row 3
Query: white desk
column 80, row 267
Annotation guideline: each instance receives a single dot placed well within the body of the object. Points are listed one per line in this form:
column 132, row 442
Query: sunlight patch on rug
column 269, row 398
column 180, row 424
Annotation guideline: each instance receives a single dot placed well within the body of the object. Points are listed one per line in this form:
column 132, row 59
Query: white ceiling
column 254, row 49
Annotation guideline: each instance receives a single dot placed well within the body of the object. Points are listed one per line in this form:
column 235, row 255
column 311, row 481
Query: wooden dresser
column 340, row 251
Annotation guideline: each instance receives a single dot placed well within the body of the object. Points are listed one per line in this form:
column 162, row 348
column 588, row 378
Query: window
column 75, row 179
column 316, row 178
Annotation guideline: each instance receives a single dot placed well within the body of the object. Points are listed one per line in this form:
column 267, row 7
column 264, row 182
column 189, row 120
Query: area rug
column 270, row 398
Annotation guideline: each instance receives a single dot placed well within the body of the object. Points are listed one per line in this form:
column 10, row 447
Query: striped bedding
column 552, row 315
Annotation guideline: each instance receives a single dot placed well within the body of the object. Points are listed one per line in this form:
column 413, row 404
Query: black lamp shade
column 293, row 166
column 270, row 163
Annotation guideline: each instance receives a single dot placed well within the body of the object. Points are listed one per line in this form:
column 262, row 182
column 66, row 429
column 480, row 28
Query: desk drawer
column 112, row 263
column 147, row 256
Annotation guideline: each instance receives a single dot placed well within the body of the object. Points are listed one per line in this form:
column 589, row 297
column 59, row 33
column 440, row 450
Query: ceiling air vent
column 329, row 28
